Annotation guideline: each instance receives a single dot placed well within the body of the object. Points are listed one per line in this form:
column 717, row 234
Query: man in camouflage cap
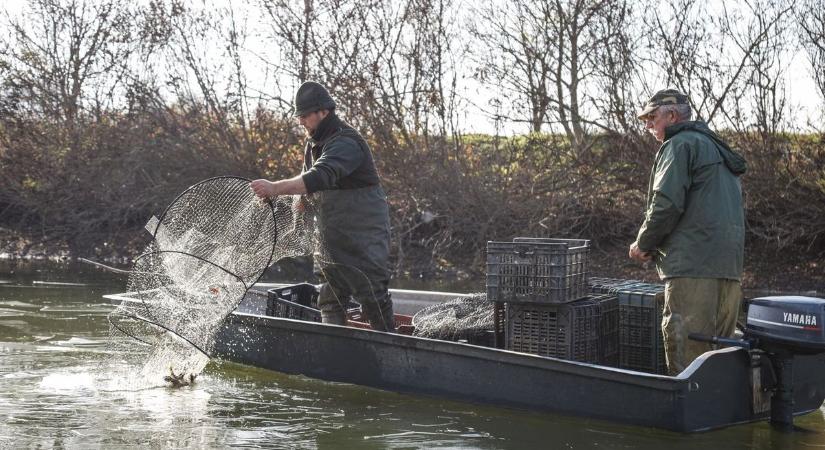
column 661, row 98
column 340, row 177
column 693, row 227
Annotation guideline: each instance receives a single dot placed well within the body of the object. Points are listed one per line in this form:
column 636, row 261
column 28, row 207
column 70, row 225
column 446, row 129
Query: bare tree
column 63, row 57
column 292, row 24
column 544, row 54
column 384, row 61
column 516, row 56
column 811, row 19
column 65, row 65
column 198, row 55
column 616, row 65
column 767, row 72
column 710, row 57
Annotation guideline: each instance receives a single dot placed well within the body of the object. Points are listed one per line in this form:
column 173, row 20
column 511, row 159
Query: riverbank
column 765, row 273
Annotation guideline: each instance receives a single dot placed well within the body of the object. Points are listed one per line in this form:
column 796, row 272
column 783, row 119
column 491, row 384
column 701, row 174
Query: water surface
column 56, row 392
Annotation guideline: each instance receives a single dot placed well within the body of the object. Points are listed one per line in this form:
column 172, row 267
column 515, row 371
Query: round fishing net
column 209, row 247
column 455, row 319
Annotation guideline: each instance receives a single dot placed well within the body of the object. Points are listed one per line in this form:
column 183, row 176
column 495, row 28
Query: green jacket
column 694, row 222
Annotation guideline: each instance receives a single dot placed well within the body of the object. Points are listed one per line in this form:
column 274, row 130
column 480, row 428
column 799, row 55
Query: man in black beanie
column 350, row 207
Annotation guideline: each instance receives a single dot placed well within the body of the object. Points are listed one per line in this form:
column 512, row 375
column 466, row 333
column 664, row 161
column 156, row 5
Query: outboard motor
column 782, row 327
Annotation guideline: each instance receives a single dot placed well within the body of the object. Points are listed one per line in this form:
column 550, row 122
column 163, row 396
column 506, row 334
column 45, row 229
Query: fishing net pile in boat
column 209, row 247
column 455, row 319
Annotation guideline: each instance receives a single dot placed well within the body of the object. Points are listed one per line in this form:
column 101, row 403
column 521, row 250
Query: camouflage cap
column 663, row 97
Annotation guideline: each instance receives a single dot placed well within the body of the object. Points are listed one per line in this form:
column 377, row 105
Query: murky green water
column 55, row 392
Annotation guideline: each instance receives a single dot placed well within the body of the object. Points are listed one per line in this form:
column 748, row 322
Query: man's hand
column 269, row 189
column 263, row 188
column 637, row 254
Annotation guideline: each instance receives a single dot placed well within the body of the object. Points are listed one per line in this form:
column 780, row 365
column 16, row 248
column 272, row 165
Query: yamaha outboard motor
column 782, row 327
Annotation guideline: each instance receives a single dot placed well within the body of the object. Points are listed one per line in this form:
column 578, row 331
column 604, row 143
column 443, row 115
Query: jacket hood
column 733, row 160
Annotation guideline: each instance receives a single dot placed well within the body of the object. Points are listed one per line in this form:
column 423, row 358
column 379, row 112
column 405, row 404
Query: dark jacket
column 694, row 222
column 350, row 207
column 337, row 157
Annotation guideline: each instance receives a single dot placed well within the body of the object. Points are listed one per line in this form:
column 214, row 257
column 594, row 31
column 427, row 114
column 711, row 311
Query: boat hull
column 713, row 392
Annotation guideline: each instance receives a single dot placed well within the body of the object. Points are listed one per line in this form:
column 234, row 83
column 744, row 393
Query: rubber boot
column 331, row 309
column 378, row 311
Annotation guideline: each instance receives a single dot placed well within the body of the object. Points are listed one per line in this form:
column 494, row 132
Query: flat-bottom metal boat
column 723, row 387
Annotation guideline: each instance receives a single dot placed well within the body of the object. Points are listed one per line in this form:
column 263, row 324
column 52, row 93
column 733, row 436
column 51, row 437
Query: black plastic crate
column 304, row 294
column 641, row 343
column 290, row 310
column 608, row 330
column 537, row 270
column 299, row 301
column 566, row 331
column 294, row 302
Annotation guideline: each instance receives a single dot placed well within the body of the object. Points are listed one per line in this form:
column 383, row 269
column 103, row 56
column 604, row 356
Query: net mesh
column 455, row 319
column 210, row 246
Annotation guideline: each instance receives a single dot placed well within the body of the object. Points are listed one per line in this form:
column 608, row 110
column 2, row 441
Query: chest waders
column 353, row 254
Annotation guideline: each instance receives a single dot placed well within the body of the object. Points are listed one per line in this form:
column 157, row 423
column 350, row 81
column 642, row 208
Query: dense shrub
column 92, row 191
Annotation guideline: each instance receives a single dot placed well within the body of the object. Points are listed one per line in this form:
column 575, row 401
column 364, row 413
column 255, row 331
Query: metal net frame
column 210, row 245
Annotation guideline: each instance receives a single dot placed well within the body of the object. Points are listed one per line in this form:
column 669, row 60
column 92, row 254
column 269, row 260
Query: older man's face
column 657, row 121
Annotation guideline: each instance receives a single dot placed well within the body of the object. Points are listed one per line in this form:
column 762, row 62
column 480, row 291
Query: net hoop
column 209, row 180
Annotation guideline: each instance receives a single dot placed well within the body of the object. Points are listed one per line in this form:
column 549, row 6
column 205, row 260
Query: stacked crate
column 641, row 343
column 566, row 331
column 640, row 308
column 598, row 285
column 609, row 330
column 537, row 270
column 539, row 287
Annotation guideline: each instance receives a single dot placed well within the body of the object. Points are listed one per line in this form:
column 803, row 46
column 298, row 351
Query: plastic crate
column 608, row 330
column 599, row 285
column 304, row 294
column 294, row 302
column 537, row 270
column 499, row 324
column 299, row 301
column 641, row 344
column 566, row 331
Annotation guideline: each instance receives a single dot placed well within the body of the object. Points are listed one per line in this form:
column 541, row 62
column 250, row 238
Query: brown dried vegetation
column 108, row 111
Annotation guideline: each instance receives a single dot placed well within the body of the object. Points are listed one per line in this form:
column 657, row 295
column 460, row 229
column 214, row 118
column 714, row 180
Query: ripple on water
column 78, row 309
column 19, row 304
column 11, row 312
column 75, row 341
column 18, row 327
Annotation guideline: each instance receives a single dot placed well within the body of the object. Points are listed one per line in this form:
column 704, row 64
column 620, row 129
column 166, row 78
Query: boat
column 721, row 388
